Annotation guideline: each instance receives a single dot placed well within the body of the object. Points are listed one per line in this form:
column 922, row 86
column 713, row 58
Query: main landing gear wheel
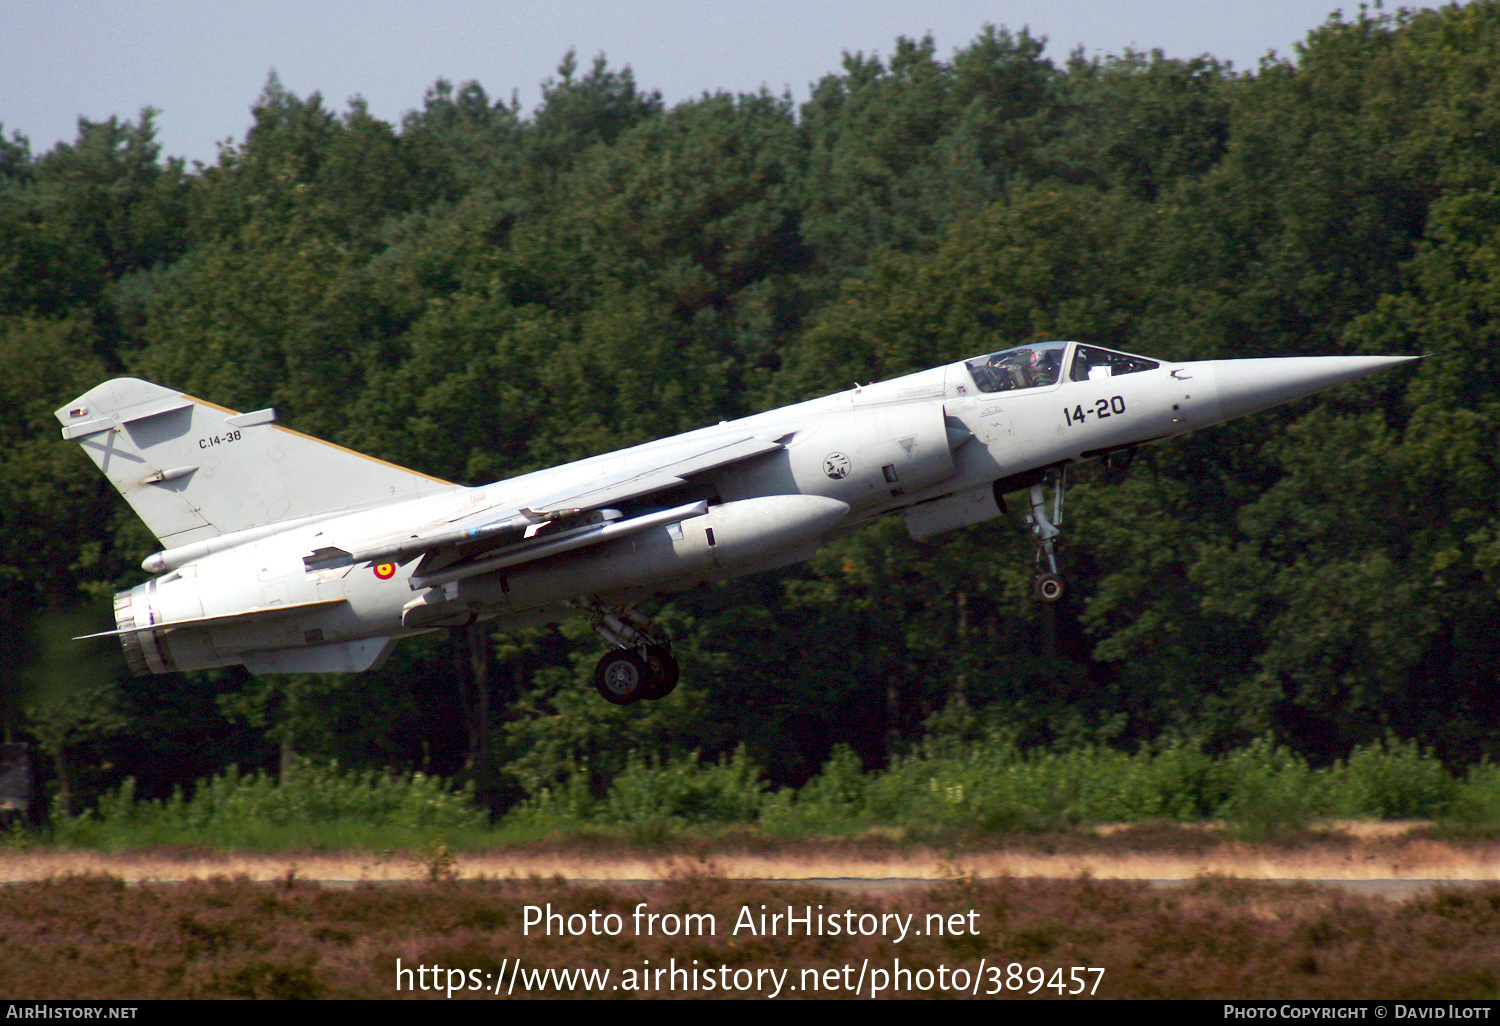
column 664, row 670
column 1048, row 588
column 622, row 677
column 641, row 665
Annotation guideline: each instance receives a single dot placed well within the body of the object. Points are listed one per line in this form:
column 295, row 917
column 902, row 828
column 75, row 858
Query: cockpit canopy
column 1038, row 364
column 1023, row 367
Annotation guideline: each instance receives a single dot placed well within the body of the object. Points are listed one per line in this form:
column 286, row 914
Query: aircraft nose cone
column 1247, row 386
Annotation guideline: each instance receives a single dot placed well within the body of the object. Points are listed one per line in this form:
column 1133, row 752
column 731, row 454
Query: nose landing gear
column 641, row 666
column 1047, row 586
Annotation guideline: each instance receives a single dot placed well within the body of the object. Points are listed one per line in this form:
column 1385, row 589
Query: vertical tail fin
column 192, row 470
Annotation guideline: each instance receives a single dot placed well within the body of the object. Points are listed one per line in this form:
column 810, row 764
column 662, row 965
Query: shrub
column 685, row 790
column 1271, row 790
column 1475, row 806
column 833, row 802
column 1393, row 780
column 234, row 808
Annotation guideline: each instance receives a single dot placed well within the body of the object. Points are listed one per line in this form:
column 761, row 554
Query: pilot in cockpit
column 1010, row 369
column 1026, row 368
column 1030, row 366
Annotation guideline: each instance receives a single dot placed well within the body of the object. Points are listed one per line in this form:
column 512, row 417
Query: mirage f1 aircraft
column 291, row 555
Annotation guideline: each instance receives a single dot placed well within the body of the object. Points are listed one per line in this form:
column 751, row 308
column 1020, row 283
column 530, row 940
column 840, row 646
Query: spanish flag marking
column 385, row 571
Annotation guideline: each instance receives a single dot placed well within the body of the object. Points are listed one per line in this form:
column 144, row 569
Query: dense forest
column 479, row 291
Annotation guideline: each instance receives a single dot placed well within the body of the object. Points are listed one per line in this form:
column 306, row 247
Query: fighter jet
column 289, row 554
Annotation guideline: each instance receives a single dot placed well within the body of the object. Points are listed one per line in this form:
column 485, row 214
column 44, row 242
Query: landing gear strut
column 1047, row 586
column 641, row 666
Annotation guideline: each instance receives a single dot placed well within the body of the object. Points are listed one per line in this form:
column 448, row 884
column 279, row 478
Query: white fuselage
column 931, row 444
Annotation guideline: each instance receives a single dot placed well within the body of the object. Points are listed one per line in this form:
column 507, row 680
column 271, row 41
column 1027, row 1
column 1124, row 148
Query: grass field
column 263, row 928
column 95, row 937
column 1018, row 869
column 1146, row 851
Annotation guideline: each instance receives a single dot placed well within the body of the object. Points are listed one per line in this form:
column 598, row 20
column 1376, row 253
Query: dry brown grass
column 1138, row 852
column 96, row 937
column 80, row 924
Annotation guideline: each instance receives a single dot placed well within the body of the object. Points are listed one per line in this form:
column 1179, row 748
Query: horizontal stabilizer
column 244, row 616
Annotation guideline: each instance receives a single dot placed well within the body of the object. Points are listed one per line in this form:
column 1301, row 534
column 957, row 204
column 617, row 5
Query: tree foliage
column 480, row 291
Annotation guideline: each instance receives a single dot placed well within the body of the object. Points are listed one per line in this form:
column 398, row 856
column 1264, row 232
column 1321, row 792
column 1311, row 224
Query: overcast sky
column 203, row 62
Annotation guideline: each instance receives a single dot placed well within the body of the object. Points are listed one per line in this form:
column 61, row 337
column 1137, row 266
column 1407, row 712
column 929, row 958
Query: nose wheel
column 1047, row 586
column 641, row 666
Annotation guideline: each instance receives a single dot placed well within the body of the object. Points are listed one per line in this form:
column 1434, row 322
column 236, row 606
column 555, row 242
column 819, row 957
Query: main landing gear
column 1047, row 586
column 641, row 666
